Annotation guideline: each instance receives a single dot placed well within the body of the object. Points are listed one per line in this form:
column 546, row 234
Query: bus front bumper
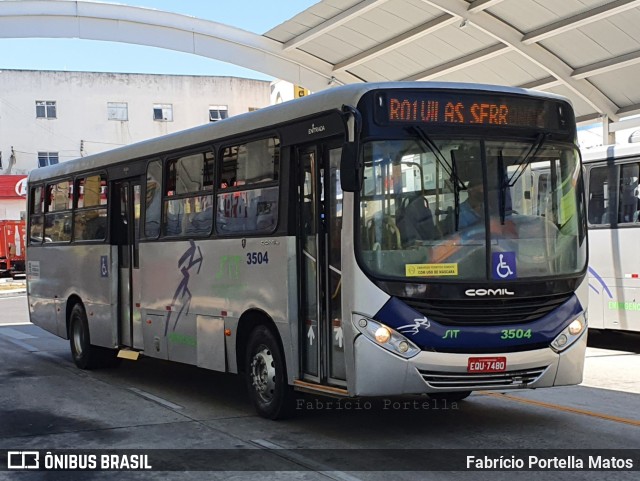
column 381, row 373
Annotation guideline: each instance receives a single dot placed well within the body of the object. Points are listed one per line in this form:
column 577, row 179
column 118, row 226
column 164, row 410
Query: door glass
column 137, row 189
column 123, row 228
column 311, row 334
column 337, row 368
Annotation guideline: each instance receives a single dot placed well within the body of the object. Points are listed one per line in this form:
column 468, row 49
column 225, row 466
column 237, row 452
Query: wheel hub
column 263, row 374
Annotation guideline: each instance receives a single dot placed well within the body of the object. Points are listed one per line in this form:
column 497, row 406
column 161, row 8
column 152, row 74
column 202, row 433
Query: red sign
column 13, row 186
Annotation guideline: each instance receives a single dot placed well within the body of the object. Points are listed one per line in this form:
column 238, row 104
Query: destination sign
column 447, row 108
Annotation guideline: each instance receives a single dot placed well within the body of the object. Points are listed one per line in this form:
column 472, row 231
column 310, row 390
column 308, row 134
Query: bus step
column 313, row 388
column 129, row 354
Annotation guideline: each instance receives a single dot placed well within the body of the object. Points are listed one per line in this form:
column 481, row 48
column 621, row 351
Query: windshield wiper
column 521, row 166
column 451, row 171
column 431, row 145
column 508, row 182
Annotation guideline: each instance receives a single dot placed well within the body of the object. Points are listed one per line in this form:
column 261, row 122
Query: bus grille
column 487, row 312
column 473, row 381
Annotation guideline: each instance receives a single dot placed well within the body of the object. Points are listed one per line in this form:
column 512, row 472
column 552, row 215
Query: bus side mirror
column 350, row 171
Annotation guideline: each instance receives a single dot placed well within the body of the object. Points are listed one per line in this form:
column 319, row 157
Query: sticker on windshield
column 426, row 270
column 503, row 265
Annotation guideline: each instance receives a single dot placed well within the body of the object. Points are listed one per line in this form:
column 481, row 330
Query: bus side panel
column 613, row 263
column 63, row 271
column 197, row 283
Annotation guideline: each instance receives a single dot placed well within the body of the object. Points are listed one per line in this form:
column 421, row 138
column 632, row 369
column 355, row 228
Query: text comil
column 450, row 112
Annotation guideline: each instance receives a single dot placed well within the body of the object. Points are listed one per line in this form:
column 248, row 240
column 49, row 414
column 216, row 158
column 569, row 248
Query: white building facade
column 44, row 114
column 49, row 117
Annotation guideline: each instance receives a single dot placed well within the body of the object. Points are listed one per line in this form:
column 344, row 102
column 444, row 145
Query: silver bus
column 612, row 174
column 368, row 240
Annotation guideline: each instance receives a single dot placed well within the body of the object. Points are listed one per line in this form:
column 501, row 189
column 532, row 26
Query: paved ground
column 46, row 403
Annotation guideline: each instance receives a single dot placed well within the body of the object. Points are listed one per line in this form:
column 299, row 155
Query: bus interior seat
column 446, row 221
column 414, row 220
column 382, row 232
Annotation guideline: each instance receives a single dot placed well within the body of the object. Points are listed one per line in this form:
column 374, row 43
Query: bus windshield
column 469, row 208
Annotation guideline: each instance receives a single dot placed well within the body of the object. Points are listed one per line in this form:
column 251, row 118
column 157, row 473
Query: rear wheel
column 450, row 396
column 266, row 375
column 86, row 356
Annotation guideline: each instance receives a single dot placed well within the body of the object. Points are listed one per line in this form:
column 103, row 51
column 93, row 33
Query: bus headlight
column 570, row 334
column 386, row 337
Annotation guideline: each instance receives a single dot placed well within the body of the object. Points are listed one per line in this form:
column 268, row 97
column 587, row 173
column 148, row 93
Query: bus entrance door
column 320, row 228
column 126, row 232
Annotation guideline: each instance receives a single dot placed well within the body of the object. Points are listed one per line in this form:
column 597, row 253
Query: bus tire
column 450, row 396
column 85, row 356
column 266, row 376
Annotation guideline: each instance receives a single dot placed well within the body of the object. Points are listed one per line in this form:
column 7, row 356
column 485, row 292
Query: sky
column 257, row 16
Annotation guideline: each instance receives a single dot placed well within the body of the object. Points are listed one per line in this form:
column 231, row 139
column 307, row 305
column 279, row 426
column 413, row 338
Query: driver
column 472, row 209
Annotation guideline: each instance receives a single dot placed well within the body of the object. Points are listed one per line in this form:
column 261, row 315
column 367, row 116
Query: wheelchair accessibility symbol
column 104, row 266
column 504, row 265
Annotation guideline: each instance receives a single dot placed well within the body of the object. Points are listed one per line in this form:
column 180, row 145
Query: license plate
column 487, row 364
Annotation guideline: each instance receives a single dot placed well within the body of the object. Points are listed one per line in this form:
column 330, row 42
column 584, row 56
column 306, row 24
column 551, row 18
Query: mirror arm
column 351, row 168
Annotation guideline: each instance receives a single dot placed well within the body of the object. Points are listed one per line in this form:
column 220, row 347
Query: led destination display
column 444, row 108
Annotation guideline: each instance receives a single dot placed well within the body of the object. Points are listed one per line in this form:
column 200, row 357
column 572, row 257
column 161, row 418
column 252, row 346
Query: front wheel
column 266, row 375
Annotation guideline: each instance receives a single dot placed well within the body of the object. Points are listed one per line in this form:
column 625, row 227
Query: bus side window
column 59, row 201
column 598, row 202
column 247, row 201
column 153, row 202
column 628, row 210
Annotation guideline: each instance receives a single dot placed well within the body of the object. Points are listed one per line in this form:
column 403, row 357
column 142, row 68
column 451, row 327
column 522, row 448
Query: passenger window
column 629, row 203
column 250, row 163
column 57, row 218
column 90, row 216
column 599, row 202
column 153, row 200
column 247, row 201
column 36, row 219
column 188, row 199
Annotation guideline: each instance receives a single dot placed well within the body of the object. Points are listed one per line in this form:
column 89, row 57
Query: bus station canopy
column 587, row 50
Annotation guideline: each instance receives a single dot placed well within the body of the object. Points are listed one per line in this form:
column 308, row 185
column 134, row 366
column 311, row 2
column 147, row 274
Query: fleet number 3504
column 515, row 334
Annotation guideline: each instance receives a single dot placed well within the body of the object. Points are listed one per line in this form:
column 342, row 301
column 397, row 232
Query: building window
column 117, row 111
column 218, row 112
column 46, row 109
column 47, row 158
column 253, row 109
column 163, row 112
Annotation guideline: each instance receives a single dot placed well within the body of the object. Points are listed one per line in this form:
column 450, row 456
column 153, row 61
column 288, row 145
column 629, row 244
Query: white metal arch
column 120, row 23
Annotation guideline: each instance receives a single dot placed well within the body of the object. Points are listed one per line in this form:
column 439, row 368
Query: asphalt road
column 46, row 403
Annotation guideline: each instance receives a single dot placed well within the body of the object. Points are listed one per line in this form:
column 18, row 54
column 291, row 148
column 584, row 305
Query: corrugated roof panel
column 463, row 40
column 409, row 10
column 621, row 86
column 610, row 36
column 326, row 10
column 427, row 54
column 394, row 66
column 575, row 48
column 329, row 48
column 525, row 15
column 298, row 25
column 509, row 69
column 372, row 71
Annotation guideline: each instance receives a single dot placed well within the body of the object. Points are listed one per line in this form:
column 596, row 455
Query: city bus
column 367, row 240
column 613, row 205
